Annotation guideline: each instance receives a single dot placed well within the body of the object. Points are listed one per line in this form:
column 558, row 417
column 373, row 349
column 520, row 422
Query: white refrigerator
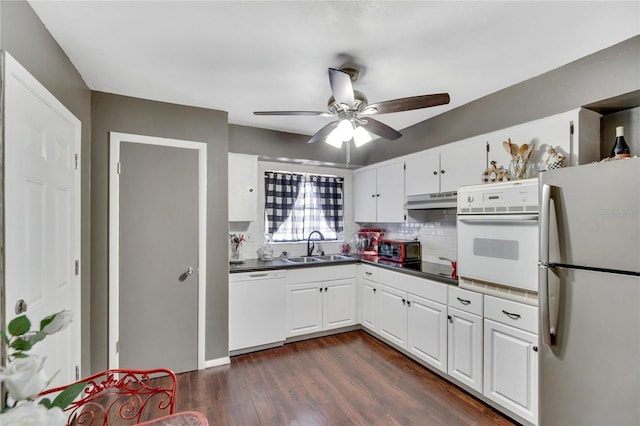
column 589, row 288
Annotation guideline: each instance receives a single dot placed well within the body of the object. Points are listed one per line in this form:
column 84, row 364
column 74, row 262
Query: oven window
column 499, row 249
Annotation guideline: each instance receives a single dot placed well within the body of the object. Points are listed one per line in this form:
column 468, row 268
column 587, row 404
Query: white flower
column 30, row 413
column 60, row 321
column 25, row 377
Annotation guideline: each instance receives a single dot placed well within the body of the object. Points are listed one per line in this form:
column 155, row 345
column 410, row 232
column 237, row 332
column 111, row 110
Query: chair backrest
column 122, row 397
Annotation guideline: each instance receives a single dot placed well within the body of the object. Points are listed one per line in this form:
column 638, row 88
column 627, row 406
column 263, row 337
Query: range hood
column 442, row 200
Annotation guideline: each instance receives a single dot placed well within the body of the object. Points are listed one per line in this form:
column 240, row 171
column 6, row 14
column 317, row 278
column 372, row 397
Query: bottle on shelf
column 620, row 147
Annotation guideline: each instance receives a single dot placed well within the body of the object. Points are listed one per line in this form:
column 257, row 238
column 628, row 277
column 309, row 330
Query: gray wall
column 24, row 36
column 274, row 144
column 132, row 115
column 605, row 74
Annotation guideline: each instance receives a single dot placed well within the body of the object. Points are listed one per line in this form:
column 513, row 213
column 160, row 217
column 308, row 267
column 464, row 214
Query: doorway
column 157, row 252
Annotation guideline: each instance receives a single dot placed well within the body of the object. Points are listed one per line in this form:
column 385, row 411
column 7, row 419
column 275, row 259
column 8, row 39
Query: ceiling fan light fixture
column 342, row 133
column 361, row 136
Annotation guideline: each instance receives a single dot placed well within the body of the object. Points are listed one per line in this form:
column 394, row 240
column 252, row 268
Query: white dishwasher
column 257, row 305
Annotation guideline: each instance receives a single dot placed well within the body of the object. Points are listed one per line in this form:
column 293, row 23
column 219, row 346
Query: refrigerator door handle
column 548, row 332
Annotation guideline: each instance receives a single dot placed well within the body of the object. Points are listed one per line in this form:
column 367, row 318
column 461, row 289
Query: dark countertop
column 433, row 271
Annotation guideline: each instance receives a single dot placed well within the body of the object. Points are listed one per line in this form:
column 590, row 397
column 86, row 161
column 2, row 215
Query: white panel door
column 364, row 196
column 392, row 314
column 339, row 304
column 42, row 214
column 422, row 173
column 511, row 368
column 427, row 331
column 369, row 310
column 390, row 195
column 304, row 309
column 465, row 348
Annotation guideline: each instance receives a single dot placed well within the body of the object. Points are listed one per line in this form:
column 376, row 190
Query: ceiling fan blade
column 324, row 132
column 381, row 129
column 407, row 104
column 317, row 113
column 341, row 87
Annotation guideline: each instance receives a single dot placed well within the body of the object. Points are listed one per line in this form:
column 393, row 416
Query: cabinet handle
column 464, row 301
column 409, row 303
column 326, row 289
column 435, row 172
column 404, row 301
column 374, row 290
column 510, row 315
column 535, row 349
column 250, row 189
column 450, row 318
column 377, row 195
column 442, row 171
column 368, row 273
column 320, row 289
column 373, row 195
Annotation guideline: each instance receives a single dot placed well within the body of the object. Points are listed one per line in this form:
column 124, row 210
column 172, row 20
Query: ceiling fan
column 353, row 110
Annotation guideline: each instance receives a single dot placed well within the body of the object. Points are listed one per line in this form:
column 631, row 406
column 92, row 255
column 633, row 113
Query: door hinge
column 77, row 372
column 118, row 167
column 77, row 267
column 77, row 161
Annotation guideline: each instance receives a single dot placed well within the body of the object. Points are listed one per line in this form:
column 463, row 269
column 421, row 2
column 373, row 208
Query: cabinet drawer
column 369, row 272
column 524, row 317
column 465, row 300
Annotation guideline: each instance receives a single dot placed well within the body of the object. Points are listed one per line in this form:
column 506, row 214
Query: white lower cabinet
column 413, row 323
column 369, row 306
column 465, row 336
column 320, row 305
column 465, row 348
column 427, row 331
column 511, row 356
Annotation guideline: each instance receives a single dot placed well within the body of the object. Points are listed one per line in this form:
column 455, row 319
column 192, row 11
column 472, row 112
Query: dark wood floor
column 349, row 378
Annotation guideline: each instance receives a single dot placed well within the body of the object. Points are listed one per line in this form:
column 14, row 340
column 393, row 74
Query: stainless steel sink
column 304, row 259
column 333, row 257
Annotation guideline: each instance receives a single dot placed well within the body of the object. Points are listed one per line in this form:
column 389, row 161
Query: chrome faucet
column 310, row 245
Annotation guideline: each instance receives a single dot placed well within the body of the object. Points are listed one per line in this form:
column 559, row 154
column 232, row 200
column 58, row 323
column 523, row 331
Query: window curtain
column 328, row 194
column 281, row 193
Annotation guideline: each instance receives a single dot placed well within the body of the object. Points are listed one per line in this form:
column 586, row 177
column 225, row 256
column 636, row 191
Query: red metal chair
column 122, row 397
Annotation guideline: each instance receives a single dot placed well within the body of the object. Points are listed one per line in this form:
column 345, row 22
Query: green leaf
column 46, row 402
column 46, row 321
column 67, row 396
column 19, row 355
column 19, row 325
column 5, row 338
column 21, row 345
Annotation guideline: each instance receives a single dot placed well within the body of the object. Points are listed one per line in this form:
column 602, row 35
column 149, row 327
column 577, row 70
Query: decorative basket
column 555, row 165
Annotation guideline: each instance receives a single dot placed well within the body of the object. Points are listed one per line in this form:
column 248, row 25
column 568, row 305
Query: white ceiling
column 241, row 56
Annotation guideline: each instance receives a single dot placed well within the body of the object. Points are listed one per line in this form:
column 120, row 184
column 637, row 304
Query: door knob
column 21, row 307
column 186, row 274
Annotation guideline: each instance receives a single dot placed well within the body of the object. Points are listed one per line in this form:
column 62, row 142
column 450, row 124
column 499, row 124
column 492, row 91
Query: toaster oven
column 399, row 250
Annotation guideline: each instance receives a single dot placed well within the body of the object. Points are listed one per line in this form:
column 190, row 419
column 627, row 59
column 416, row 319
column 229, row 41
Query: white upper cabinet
column 243, row 182
column 446, row 168
column 379, row 193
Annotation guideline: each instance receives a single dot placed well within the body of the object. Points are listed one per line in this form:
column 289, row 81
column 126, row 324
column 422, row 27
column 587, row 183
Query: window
column 297, row 203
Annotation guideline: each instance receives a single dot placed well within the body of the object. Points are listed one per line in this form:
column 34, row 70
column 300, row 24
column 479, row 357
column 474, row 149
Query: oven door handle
column 498, row 218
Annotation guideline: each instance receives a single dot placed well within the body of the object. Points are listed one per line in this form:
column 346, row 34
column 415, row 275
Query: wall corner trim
column 217, row 362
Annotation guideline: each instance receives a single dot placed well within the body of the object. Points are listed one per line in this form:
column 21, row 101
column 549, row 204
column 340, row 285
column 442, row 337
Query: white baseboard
column 217, row 362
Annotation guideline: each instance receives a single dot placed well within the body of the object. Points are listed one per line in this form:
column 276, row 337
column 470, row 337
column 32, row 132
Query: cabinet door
column 465, row 348
column 392, row 315
column 304, row 309
column 242, row 184
column 427, row 331
column 364, row 195
column 422, row 173
column 369, row 290
column 339, row 304
column 511, row 369
column 462, row 164
column 390, row 185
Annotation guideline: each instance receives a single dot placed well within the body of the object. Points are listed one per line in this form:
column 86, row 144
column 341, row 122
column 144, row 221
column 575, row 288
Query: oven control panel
column 499, row 198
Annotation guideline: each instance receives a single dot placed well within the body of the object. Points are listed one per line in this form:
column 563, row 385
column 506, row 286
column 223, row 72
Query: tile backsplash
column 436, row 232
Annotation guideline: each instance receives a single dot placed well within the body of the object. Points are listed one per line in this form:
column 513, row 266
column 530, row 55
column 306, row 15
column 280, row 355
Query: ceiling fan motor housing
column 360, row 102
